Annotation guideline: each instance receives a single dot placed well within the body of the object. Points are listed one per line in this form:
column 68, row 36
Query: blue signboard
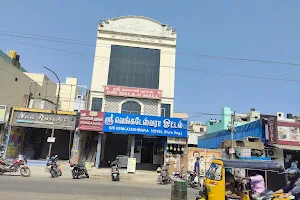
column 144, row 125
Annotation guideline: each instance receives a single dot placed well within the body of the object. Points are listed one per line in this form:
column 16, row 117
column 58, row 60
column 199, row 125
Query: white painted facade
column 135, row 31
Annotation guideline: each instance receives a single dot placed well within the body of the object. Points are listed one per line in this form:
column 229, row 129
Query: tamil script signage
column 43, row 120
column 91, row 121
column 132, row 92
column 144, row 125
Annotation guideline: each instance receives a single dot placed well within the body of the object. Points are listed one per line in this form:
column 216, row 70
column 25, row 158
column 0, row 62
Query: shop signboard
column 43, row 120
column 245, row 153
column 144, row 125
column 132, row 92
column 91, row 120
column 171, row 140
column 288, row 133
column 272, row 120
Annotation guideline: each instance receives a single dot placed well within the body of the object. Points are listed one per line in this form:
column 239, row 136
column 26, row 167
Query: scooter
column 115, row 174
column 53, row 167
column 163, row 175
column 79, row 170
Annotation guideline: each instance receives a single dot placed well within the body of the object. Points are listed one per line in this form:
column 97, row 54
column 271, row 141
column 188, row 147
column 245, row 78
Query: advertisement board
column 288, row 133
column 91, row 121
column 144, row 125
column 205, row 155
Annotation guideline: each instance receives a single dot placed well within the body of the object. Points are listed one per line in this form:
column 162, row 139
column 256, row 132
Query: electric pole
column 55, row 113
column 232, row 130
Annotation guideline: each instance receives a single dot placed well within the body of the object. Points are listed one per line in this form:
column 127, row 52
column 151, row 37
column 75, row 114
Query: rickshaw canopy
column 253, row 164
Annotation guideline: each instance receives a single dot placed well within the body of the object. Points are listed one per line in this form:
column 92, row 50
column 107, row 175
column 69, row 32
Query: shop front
column 89, row 132
column 141, row 137
column 30, row 133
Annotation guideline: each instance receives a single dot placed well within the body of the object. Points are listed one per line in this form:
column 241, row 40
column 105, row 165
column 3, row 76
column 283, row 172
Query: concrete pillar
column 132, row 146
column 165, row 150
column 98, row 150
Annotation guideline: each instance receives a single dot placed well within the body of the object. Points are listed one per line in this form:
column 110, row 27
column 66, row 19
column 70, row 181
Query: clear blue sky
column 267, row 30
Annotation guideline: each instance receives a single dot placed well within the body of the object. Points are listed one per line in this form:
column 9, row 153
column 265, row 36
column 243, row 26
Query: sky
column 260, row 30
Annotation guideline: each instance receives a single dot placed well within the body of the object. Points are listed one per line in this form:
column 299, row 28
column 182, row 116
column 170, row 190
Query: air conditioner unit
column 271, row 153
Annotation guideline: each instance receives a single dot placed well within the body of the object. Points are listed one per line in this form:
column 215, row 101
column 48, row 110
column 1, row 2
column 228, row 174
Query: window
column 201, row 130
column 214, row 172
column 165, row 110
column 134, row 67
column 131, row 107
column 96, row 104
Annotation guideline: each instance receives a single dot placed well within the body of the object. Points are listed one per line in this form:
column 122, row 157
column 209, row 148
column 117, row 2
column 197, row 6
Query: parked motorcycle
column 193, row 179
column 177, row 174
column 163, row 176
column 53, row 167
column 14, row 166
column 115, row 174
column 79, row 170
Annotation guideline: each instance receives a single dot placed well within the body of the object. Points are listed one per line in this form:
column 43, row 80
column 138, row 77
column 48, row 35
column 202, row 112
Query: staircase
column 91, row 155
column 28, row 151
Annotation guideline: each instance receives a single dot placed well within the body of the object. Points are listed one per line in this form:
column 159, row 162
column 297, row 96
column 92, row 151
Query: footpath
column 38, row 169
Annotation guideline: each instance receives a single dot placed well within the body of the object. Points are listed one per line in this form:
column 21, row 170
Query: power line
column 86, row 43
column 183, row 68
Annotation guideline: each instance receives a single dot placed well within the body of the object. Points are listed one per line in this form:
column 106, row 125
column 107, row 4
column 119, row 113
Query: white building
column 134, row 67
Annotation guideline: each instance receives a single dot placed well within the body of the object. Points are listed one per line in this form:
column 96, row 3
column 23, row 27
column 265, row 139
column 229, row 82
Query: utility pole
column 232, row 130
column 55, row 113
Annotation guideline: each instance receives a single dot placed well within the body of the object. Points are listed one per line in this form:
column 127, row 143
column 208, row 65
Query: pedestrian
column 257, row 183
column 197, row 166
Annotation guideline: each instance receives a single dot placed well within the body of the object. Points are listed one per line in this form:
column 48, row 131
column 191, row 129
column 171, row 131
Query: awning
column 288, row 147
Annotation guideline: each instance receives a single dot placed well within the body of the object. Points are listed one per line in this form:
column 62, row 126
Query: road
column 16, row 187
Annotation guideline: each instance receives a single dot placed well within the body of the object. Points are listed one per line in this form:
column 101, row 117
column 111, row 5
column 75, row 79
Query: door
column 147, row 152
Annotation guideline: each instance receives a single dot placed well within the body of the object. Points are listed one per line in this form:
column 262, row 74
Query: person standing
column 197, row 166
column 257, row 183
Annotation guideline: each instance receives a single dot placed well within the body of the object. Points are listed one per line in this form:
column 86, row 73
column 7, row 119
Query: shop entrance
column 35, row 144
column 147, row 152
column 115, row 144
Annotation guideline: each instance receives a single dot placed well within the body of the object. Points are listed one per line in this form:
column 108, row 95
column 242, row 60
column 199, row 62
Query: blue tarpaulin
column 212, row 140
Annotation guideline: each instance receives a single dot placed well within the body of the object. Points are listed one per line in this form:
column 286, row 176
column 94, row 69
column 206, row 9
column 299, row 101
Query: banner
column 205, row 155
column 144, row 125
column 91, row 121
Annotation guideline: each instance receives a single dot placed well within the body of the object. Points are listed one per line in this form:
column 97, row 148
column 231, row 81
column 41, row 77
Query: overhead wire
column 86, row 43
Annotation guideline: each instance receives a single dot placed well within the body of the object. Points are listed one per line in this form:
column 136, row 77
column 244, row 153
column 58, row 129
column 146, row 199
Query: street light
column 56, row 108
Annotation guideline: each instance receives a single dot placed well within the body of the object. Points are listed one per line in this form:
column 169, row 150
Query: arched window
column 131, row 107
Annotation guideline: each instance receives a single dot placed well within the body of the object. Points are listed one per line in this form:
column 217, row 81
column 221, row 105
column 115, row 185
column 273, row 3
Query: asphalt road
column 16, row 187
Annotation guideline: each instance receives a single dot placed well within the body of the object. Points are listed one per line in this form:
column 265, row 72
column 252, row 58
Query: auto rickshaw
column 214, row 182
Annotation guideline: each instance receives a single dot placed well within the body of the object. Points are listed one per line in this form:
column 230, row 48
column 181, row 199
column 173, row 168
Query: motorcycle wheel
column 53, row 174
column 190, row 180
column 25, row 171
column 1, row 172
column 73, row 175
column 60, row 172
column 87, row 175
